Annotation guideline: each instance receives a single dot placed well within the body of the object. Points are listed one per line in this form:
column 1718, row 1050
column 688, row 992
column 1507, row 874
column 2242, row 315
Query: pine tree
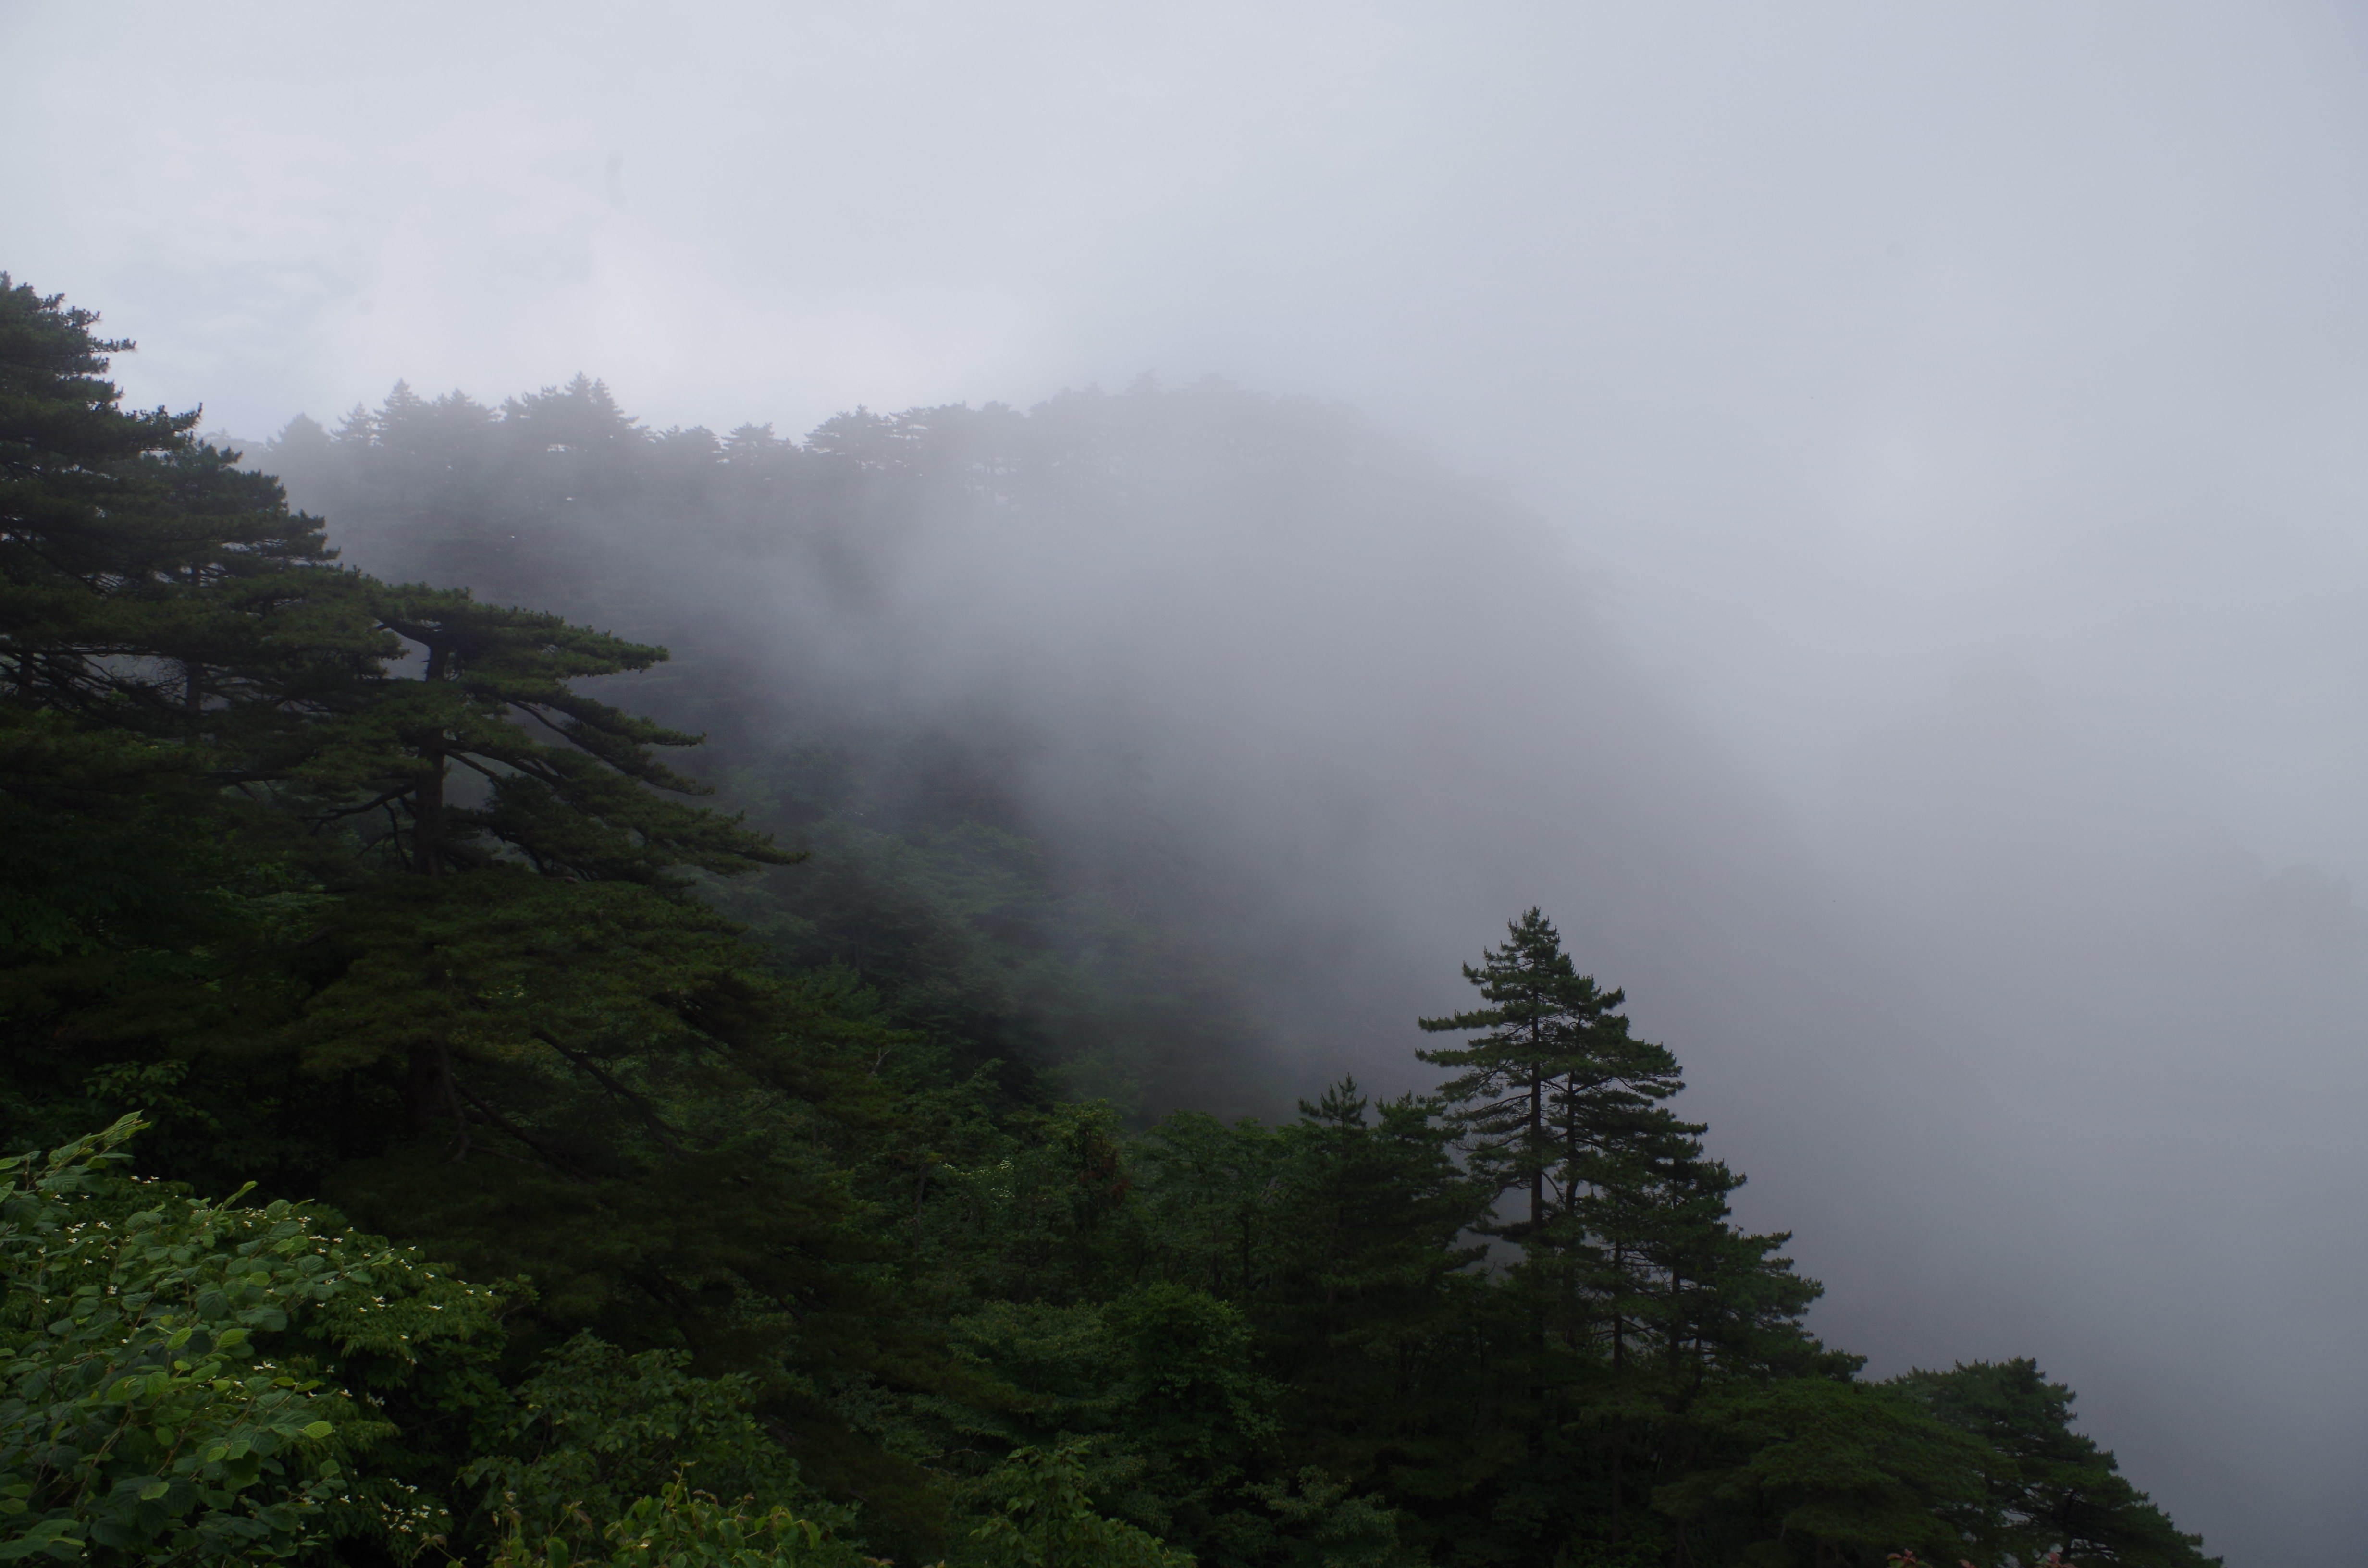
column 478, row 1003
column 1557, row 1097
column 198, row 692
column 142, row 582
column 1640, row 1292
column 1551, row 1079
column 1371, row 1283
column 2050, row 1489
column 562, row 783
column 145, row 579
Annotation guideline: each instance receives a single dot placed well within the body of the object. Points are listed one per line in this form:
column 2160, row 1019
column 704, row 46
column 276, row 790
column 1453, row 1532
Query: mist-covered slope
column 649, row 1238
column 1289, row 694
column 1178, row 730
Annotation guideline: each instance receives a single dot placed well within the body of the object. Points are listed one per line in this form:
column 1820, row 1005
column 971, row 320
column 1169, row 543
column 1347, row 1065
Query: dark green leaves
column 142, row 1417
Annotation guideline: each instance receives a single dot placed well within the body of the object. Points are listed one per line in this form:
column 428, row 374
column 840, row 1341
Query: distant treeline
column 605, row 1209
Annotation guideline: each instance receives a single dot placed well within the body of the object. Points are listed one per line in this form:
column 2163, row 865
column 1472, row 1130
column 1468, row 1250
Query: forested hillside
column 448, row 1131
column 773, row 570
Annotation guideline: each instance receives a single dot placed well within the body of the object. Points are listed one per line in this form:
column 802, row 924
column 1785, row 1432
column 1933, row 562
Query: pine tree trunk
column 1619, row 1378
column 427, row 819
column 427, row 805
column 1536, row 1244
column 1619, row 1463
column 1536, row 1150
column 427, row 1088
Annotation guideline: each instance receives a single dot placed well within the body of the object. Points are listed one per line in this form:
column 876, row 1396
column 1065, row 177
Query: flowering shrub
column 139, row 1417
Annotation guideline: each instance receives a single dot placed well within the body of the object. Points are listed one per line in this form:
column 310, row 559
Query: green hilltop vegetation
column 442, row 1138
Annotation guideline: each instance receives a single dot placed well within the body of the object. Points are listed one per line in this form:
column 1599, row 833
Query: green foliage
column 1319, row 1524
column 1045, row 1520
column 149, row 1415
column 151, row 588
column 145, row 1415
column 681, row 1528
column 2050, row 1490
column 597, row 1439
column 76, row 888
column 1825, row 1469
column 566, row 781
column 399, row 929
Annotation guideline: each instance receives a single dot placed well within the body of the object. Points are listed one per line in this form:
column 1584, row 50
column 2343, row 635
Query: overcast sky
column 1964, row 408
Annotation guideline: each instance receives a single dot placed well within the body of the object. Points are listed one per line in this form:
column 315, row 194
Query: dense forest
column 442, row 1137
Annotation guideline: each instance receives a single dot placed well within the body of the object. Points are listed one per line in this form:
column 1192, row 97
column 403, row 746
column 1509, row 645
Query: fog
column 1902, row 625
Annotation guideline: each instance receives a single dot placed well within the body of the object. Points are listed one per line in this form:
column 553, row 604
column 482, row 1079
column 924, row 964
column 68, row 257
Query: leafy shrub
column 140, row 1419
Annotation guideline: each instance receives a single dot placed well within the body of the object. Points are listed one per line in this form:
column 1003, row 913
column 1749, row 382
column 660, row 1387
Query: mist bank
column 1207, row 719
column 1322, row 701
